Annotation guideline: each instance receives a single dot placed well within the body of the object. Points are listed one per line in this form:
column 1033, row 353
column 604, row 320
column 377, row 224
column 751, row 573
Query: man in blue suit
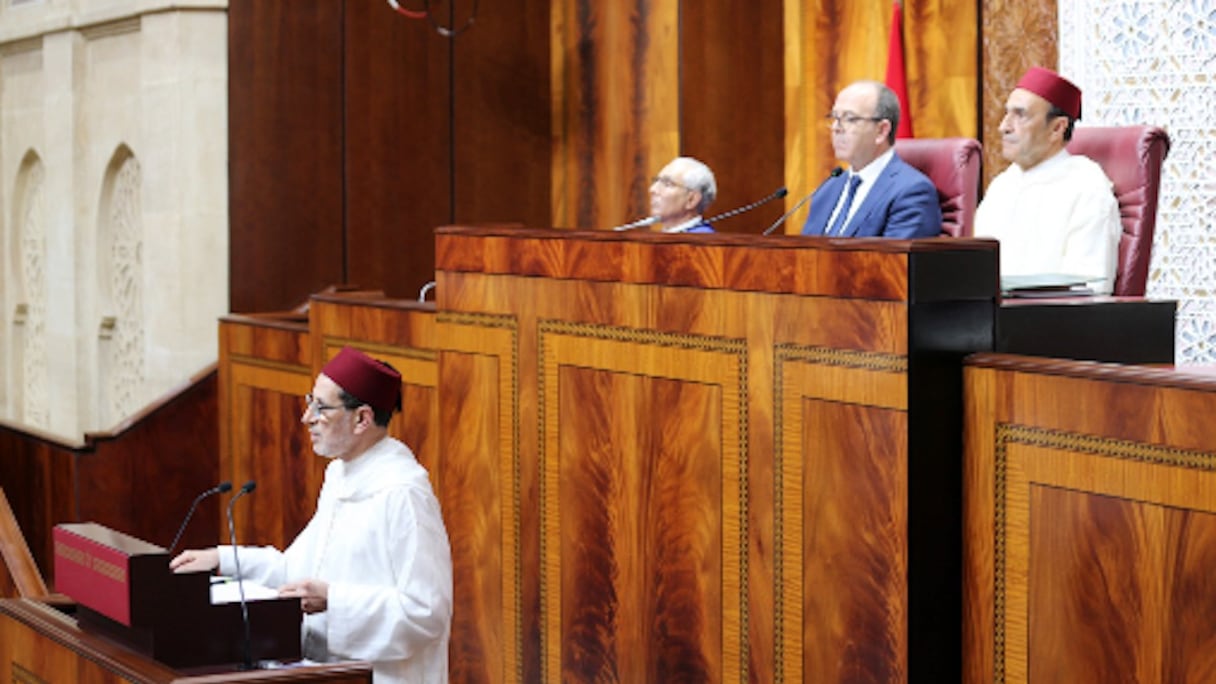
column 878, row 195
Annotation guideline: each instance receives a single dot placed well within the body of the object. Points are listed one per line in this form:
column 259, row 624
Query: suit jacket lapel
column 876, row 197
column 832, row 192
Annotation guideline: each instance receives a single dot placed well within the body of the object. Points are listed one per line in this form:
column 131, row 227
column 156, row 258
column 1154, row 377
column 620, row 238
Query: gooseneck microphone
column 240, row 580
column 835, row 172
column 777, row 194
column 787, row 214
column 218, row 489
column 640, row 223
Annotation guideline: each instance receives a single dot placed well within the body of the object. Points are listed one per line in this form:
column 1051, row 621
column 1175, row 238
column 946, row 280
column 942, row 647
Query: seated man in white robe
column 373, row 568
column 1053, row 212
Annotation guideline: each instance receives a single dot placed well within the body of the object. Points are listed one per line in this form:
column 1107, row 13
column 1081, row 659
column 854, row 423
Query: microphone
column 218, row 489
column 777, row 194
column 240, row 581
column 787, row 214
column 648, row 221
column 835, row 172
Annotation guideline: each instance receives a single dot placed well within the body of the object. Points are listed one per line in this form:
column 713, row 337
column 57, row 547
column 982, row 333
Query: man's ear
column 693, row 201
column 364, row 418
column 884, row 130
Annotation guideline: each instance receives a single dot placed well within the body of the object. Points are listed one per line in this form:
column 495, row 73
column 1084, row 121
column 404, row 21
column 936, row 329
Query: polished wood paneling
column 397, row 135
column 265, row 368
column 285, row 164
column 485, row 500
column 1017, row 36
column 1090, row 521
column 648, row 446
column 731, row 71
column 615, row 87
column 502, row 119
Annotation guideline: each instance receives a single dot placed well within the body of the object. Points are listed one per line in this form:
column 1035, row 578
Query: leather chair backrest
column 1132, row 157
column 953, row 164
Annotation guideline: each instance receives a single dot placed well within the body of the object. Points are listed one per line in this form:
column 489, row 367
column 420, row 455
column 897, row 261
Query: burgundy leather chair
column 953, row 164
column 1131, row 156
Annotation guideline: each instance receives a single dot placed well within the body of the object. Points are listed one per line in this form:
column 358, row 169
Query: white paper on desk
column 228, row 591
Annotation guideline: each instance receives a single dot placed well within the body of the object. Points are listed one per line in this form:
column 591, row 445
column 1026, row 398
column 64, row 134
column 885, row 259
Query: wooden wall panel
column 1089, row 522
column 502, row 117
column 642, row 465
column 265, row 369
column 285, row 127
column 731, row 71
column 616, row 92
column 397, row 134
column 1016, row 36
column 486, row 505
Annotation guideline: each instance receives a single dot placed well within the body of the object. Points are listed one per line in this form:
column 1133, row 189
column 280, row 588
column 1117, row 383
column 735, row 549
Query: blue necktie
column 838, row 224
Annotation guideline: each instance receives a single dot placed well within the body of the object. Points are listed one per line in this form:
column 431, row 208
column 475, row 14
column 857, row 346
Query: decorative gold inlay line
column 830, row 356
column 1106, row 447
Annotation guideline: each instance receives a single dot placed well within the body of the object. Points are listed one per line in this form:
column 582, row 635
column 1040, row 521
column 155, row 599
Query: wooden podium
column 136, row 621
column 40, row 643
column 126, row 591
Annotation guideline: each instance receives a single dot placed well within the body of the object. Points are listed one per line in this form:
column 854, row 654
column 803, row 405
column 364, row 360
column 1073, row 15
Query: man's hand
column 196, row 560
column 313, row 594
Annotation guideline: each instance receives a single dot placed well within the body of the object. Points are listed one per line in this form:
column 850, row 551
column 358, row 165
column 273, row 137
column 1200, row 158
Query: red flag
column 897, row 79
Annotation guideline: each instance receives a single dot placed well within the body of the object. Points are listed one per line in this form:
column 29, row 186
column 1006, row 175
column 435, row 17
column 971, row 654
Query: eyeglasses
column 847, row 120
column 668, row 183
column 314, row 405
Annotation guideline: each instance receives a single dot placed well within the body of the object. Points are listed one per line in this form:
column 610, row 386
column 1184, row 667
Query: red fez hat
column 1054, row 88
column 369, row 380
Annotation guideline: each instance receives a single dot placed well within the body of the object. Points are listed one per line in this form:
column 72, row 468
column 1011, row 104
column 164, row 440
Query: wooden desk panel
column 1090, row 522
column 689, row 451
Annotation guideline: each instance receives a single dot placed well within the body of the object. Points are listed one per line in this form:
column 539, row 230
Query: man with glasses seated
column 680, row 194
column 1053, row 212
column 878, row 195
column 373, row 568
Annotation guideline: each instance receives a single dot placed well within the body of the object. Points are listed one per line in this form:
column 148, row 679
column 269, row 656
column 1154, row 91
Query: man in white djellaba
column 373, row 568
column 1053, row 212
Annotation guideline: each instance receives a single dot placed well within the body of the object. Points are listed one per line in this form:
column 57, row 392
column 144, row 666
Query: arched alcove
column 25, row 355
column 121, row 326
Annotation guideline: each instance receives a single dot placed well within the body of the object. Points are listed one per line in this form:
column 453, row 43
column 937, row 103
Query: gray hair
column 887, row 109
column 697, row 176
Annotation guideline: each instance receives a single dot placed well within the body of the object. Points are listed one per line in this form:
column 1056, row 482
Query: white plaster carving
column 1154, row 61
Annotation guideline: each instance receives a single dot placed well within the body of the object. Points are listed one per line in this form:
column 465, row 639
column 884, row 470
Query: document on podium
column 1046, row 285
column 228, row 590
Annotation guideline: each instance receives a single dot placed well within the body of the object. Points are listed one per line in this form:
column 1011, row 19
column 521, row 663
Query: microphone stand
column 240, row 580
column 780, row 192
column 786, row 215
column 218, row 489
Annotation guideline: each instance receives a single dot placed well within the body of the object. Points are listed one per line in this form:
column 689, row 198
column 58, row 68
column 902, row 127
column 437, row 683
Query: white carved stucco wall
column 1154, row 61
column 115, row 269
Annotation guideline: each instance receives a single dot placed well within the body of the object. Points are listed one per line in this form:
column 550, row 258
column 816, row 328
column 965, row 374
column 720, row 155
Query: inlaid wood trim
column 1012, row 480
